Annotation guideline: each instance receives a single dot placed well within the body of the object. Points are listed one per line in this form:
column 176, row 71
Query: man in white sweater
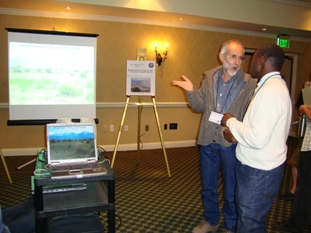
column 261, row 137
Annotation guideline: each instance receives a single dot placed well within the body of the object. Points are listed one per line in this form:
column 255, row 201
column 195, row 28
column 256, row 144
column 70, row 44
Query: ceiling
column 183, row 14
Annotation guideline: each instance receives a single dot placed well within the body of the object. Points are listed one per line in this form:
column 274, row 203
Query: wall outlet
column 173, row 125
column 111, row 128
column 105, row 128
column 126, row 128
column 146, row 128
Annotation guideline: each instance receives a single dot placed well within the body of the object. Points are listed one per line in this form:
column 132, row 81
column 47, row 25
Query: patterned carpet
column 147, row 200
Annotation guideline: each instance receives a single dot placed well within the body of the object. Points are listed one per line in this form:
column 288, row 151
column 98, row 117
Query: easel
column 140, row 105
column 5, row 166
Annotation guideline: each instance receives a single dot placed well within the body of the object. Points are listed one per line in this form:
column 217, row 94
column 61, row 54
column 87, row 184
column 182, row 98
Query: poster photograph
column 140, row 78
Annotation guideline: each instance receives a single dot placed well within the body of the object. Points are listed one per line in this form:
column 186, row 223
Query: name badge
column 215, row 117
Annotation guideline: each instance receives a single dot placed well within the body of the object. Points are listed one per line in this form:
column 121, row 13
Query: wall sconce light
column 159, row 57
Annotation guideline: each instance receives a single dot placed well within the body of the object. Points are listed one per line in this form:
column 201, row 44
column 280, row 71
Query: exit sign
column 283, row 41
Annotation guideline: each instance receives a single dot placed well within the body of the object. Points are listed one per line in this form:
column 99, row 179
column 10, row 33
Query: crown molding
column 302, row 3
column 49, row 14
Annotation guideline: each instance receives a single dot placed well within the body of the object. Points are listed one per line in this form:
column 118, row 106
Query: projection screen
column 51, row 75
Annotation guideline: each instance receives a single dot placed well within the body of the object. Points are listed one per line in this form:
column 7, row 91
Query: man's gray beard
column 228, row 71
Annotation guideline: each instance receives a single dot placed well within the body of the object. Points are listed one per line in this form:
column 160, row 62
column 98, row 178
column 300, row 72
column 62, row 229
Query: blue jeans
column 20, row 218
column 213, row 157
column 3, row 227
column 255, row 193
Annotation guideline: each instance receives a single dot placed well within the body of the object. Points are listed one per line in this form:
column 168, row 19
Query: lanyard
column 217, row 90
column 262, row 85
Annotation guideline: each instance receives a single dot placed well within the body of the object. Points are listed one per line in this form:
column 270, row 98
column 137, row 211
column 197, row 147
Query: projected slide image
column 141, row 85
column 51, row 88
column 51, row 74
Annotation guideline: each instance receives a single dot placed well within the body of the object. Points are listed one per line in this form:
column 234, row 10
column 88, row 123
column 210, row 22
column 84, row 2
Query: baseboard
column 20, row 151
column 121, row 147
column 151, row 145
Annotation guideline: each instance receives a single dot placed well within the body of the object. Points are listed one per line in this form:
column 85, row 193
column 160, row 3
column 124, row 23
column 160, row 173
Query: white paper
column 140, row 78
column 216, row 117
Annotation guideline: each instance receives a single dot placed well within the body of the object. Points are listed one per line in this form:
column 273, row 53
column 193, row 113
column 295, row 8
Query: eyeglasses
column 233, row 57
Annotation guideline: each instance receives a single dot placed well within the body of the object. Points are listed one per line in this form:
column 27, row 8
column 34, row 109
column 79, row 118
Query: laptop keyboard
column 75, row 166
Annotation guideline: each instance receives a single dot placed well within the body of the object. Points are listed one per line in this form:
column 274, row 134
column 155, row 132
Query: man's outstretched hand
column 186, row 84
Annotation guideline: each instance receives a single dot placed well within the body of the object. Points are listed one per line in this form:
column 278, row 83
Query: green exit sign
column 283, row 41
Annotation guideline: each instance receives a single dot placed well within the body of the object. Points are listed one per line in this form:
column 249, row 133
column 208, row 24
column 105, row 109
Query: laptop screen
column 71, row 142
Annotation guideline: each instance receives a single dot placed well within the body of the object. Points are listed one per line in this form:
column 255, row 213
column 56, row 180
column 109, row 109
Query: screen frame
column 59, row 33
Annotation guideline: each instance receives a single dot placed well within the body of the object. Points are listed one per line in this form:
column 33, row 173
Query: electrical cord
column 102, row 151
column 116, row 215
column 120, row 220
column 140, row 141
column 43, row 172
column 42, row 152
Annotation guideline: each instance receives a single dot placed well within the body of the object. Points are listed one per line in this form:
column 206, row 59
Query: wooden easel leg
column 160, row 134
column 5, row 167
column 120, row 131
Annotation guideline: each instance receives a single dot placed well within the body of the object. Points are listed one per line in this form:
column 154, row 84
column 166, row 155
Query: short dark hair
column 274, row 54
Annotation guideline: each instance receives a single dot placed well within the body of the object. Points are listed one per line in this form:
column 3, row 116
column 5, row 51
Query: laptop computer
column 72, row 150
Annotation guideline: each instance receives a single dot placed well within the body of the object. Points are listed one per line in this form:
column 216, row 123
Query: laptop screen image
column 71, row 142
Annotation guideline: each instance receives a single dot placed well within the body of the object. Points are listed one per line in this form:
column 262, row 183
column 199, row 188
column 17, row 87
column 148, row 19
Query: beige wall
column 191, row 52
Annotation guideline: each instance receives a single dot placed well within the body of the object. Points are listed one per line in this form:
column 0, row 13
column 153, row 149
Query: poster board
column 140, row 78
column 306, row 95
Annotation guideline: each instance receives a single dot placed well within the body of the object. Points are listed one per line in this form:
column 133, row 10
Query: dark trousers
column 20, row 218
column 302, row 200
column 255, row 194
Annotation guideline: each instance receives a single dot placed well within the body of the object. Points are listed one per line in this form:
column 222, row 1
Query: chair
column 5, row 167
